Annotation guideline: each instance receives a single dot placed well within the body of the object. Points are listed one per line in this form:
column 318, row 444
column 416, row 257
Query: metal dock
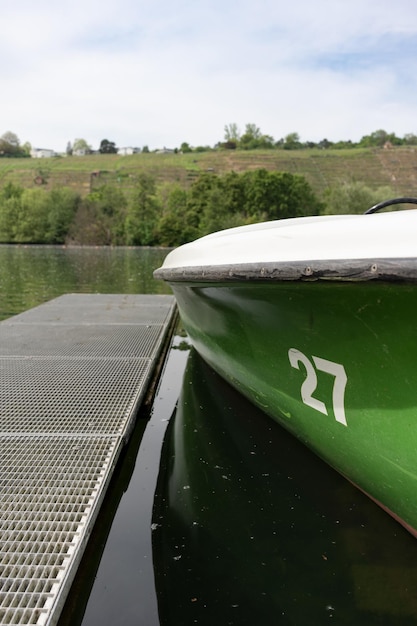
column 73, row 374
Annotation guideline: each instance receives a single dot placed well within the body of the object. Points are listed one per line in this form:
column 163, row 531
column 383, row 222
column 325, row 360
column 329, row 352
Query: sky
column 163, row 72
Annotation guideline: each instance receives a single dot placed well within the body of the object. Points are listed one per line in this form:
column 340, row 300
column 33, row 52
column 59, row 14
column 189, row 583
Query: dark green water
column 216, row 515
column 30, row 275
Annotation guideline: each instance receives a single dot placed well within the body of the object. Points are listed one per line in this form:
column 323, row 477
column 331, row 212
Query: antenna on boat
column 382, row 205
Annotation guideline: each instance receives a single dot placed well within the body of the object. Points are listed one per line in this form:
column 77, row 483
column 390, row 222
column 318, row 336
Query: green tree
column 378, row 139
column 206, row 208
column 9, row 211
column 32, row 219
column 232, row 133
column 107, row 147
column 410, row 139
column 142, row 213
column 63, row 204
column 11, row 139
column 177, row 223
column 233, row 191
column 185, row 147
column 354, row 197
column 220, row 212
column 36, row 215
column 220, row 202
column 324, row 144
column 80, row 145
column 292, row 142
column 253, row 139
column 26, row 149
column 100, row 218
column 199, row 195
column 214, row 216
column 9, row 216
column 250, row 138
column 277, row 195
column 10, row 145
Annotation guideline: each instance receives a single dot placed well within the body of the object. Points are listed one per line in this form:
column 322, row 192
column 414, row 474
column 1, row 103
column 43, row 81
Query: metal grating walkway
column 72, row 375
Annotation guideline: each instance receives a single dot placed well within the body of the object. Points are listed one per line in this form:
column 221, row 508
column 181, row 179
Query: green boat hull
column 333, row 362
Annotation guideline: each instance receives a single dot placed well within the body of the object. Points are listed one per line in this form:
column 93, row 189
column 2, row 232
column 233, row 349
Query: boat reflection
column 250, row 527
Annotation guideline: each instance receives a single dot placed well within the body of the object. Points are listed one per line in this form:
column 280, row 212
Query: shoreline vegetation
column 168, row 199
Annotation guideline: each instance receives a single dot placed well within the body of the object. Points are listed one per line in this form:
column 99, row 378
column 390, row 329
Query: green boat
column 313, row 320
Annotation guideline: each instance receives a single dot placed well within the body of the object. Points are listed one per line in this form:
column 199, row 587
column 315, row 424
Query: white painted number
column 309, row 385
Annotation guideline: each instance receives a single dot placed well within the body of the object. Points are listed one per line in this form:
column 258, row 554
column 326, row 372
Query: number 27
column 310, row 383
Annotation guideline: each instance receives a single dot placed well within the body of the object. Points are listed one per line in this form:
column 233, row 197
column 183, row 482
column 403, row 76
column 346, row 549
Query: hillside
column 394, row 167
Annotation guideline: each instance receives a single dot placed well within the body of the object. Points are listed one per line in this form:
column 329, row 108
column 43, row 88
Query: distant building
column 42, row 153
column 128, row 150
column 165, row 151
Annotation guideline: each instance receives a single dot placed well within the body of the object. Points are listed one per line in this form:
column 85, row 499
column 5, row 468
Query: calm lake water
column 30, row 275
column 216, row 515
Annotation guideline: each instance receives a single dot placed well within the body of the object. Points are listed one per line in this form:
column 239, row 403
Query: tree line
column 252, row 138
column 170, row 215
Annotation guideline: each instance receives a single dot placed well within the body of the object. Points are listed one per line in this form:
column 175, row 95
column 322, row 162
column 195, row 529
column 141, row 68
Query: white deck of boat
column 73, row 374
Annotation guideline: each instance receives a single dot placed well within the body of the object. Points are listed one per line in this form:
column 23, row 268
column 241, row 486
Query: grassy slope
column 396, row 167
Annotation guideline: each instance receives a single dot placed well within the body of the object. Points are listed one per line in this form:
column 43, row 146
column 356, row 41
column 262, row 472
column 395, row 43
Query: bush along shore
column 170, row 214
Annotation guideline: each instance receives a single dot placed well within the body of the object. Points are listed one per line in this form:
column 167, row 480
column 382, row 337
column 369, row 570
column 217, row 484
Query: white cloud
column 164, row 72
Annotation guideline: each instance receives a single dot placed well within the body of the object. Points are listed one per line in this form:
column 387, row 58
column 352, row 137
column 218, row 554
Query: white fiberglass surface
column 381, row 235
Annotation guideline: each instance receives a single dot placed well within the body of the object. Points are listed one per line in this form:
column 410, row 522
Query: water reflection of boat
column 313, row 319
column 250, row 527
